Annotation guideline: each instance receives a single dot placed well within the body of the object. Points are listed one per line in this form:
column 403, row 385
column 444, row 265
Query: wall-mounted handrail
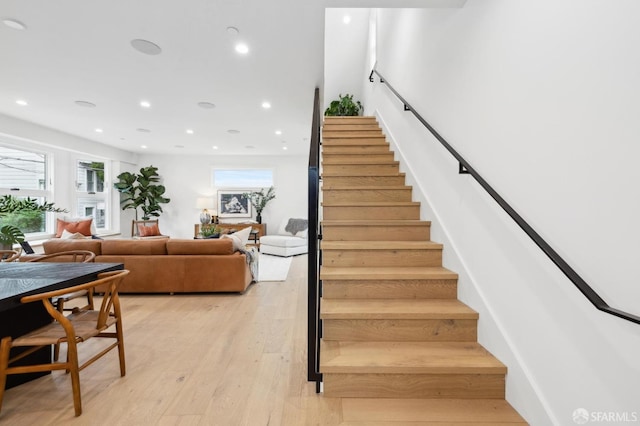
column 466, row 168
column 313, row 277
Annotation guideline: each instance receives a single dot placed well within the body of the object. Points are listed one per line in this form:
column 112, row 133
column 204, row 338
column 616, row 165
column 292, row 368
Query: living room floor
column 215, row 359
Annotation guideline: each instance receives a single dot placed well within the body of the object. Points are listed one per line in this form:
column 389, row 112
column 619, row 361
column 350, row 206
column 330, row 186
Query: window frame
column 98, row 197
column 242, row 185
column 45, row 194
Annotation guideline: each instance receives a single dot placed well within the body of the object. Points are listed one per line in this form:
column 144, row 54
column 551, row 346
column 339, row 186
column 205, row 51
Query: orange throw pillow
column 83, row 227
column 149, row 231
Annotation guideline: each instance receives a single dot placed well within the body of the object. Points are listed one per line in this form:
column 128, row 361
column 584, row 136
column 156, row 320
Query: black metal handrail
column 313, row 279
column 466, row 168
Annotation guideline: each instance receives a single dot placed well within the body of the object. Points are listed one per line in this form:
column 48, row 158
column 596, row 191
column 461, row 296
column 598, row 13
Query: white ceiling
column 80, row 50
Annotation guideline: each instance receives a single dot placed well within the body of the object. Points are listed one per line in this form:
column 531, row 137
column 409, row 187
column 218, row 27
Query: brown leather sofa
column 169, row 265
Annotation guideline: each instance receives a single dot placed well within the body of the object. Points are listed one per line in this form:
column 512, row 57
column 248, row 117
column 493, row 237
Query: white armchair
column 290, row 240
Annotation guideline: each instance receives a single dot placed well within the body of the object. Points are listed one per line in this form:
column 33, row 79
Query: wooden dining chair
column 75, row 256
column 9, row 255
column 76, row 328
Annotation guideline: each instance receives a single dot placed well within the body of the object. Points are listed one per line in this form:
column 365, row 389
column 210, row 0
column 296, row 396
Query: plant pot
column 259, row 218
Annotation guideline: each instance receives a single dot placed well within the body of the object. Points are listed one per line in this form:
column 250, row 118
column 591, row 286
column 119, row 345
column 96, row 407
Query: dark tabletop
column 18, row 279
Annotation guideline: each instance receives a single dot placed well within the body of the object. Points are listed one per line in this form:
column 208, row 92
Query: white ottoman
column 283, row 245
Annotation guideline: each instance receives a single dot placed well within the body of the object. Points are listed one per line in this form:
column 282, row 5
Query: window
column 92, row 194
column 242, row 178
column 25, row 174
column 22, row 170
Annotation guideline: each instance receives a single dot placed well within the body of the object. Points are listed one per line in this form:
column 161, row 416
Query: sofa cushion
column 282, row 241
column 205, row 247
column 57, row 245
column 148, row 230
column 66, row 235
column 134, row 247
column 239, row 238
column 82, row 226
column 94, row 230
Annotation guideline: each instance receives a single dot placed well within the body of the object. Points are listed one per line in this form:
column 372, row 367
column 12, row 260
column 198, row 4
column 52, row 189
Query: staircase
column 397, row 346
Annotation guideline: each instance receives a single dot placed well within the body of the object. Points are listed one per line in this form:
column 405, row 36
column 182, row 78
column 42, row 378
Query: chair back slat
column 72, row 256
column 110, row 302
column 9, row 255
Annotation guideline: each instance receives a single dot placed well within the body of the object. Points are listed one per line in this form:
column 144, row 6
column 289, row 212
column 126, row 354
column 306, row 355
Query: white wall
column 542, row 98
column 186, row 177
column 189, row 177
column 344, row 53
column 66, row 150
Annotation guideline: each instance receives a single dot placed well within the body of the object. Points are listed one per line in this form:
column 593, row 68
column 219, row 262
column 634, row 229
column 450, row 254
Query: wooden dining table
column 19, row 279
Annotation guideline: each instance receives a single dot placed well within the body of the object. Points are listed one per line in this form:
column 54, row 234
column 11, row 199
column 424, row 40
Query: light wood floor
column 195, row 360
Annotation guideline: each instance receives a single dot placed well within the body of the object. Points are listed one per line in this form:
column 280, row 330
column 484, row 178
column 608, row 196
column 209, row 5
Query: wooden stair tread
column 339, row 174
column 388, row 411
column 345, row 133
column 380, row 245
column 395, row 309
column 407, row 358
column 386, row 273
column 352, row 126
column 369, row 140
column 390, row 222
column 370, row 203
column 366, row 187
column 362, row 161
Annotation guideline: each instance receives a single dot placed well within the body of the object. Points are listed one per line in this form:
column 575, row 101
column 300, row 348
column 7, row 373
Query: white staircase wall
column 542, row 98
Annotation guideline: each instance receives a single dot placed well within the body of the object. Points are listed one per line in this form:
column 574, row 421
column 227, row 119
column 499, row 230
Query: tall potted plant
column 142, row 191
column 260, row 199
column 14, row 211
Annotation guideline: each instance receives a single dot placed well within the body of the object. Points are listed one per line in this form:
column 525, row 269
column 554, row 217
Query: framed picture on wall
column 234, row 204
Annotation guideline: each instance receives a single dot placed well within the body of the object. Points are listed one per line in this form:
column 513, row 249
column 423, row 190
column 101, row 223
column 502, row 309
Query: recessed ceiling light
column 206, row 105
column 278, row 132
column 233, row 131
column 85, row 104
column 284, row 148
column 98, row 130
column 266, row 105
column 146, row 47
column 189, row 131
column 242, row 48
column 12, row 23
column 145, row 104
column 214, row 147
column 143, row 130
column 233, row 31
column 22, row 102
column 346, row 19
column 143, row 146
column 249, row 146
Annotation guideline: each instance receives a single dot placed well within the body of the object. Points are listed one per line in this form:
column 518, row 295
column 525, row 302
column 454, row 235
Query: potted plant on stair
column 13, row 211
column 259, row 200
column 344, row 106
